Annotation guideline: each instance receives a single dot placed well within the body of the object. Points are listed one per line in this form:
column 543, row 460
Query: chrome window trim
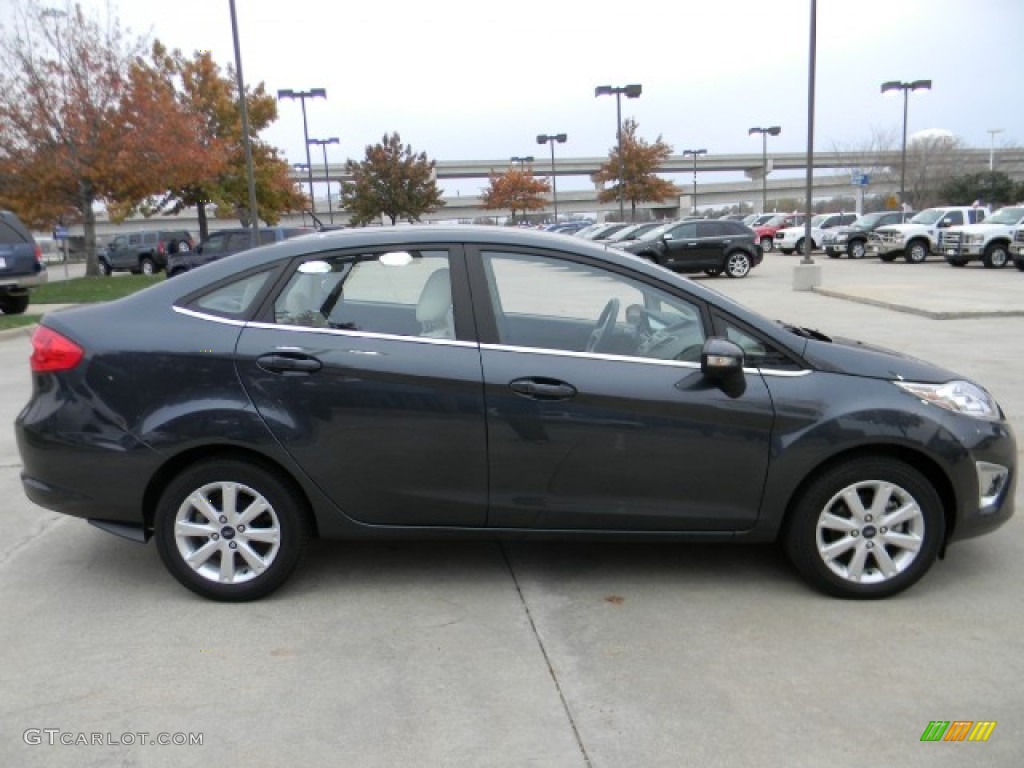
column 627, row 359
column 362, row 334
column 207, row 316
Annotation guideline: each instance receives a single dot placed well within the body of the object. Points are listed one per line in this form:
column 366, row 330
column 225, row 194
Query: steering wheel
column 605, row 326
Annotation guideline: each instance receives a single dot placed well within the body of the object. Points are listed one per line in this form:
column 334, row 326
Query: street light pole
column 694, row 153
column 774, row 130
column 992, row 148
column 632, row 91
column 896, row 85
column 323, row 145
column 314, row 93
column 561, row 138
column 254, row 219
column 303, row 167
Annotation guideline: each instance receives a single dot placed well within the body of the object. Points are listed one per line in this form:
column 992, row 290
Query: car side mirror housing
column 721, row 359
column 667, row 236
column 946, row 223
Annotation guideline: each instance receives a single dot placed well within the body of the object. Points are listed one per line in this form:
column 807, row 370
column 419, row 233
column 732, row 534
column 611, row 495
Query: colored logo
column 958, row 730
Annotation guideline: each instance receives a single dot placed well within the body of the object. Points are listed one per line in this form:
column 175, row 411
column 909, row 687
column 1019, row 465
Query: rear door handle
column 543, row 389
column 289, row 363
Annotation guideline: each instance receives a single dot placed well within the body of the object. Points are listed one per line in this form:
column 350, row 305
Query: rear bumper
column 16, row 282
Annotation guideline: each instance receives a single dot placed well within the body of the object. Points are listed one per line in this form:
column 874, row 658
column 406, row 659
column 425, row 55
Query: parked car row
column 21, row 264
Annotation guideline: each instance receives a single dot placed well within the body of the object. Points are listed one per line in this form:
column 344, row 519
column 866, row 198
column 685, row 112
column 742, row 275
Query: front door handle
column 543, row 389
column 289, row 363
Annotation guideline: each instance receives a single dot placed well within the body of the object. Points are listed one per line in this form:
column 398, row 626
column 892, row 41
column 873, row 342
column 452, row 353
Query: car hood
column 856, row 358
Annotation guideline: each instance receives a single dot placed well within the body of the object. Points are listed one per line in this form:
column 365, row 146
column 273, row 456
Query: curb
column 917, row 311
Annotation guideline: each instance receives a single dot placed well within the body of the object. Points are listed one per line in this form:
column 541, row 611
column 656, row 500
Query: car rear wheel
column 767, row 244
column 857, row 249
column 916, row 252
column 147, row 266
column 737, row 264
column 13, row 305
column 105, row 269
column 868, row 528
column 995, row 256
column 230, row 530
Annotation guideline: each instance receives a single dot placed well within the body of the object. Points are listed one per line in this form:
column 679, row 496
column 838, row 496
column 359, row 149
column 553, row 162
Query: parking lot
column 485, row 654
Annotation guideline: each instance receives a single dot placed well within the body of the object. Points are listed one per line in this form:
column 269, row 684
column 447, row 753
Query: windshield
column 818, row 220
column 867, row 221
column 929, row 216
column 654, row 234
column 1007, row 216
column 775, row 221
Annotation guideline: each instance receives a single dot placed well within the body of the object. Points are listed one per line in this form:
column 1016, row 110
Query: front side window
column 554, row 304
column 405, row 293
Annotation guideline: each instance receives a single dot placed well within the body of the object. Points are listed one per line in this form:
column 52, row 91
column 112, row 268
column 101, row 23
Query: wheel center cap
column 229, row 533
column 869, row 531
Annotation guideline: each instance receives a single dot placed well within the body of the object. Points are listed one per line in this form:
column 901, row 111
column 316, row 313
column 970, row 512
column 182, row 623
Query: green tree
column 203, row 90
column 639, row 162
column 992, row 187
column 85, row 121
column 515, row 190
column 392, row 181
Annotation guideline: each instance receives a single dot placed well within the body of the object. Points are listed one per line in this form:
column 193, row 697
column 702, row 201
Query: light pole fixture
column 522, row 160
column 551, row 138
column 695, row 153
column 313, row 93
column 773, row 130
column 632, row 92
column 254, row 219
column 323, row 145
column 992, row 148
column 896, row 85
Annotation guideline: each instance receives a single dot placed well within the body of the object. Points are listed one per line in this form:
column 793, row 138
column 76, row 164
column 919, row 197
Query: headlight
column 840, row 238
column 957, row 396
column 974, row 239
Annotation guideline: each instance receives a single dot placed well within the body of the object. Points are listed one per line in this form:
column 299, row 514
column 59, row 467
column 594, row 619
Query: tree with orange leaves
column 84, row 121
column 204, row 91
column 640, row 161
column 515, row 190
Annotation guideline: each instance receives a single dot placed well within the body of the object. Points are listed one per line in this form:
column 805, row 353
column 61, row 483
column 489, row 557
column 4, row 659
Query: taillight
column 39, row 254
column 160, row 247
column 53, row 352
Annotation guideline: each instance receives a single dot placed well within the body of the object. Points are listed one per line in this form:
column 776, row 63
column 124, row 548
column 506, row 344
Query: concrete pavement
column 477, row 654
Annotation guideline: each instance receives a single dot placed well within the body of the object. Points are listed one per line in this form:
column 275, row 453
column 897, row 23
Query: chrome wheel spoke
column 254, row 510
column 856, row 567
column 198, row 558
column 265, row 535
column 853, row 503
column 885, row 563
column 907, row 541
column 905, row 513
column 195, row 530
column 202, row 504
column 834, row 522
column 229, row 500
column 227, row 566
column 256, row 563
column 837, row 548
column 883, row 492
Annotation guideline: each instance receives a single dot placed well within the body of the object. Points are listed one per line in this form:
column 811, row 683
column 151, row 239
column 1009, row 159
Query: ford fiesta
column 451, row 381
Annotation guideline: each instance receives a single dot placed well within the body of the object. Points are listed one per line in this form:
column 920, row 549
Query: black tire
column 957, row 262
column 767, row 243
column 13, row 305
column 1019, row 264
column 857, row 249
column 147, row 266
column 996, row 256
column 737, row 264
column 285, row 511
column 916, row 252
column 800, row 246
column 887, row 257
column 105, row 268
column 845, row 558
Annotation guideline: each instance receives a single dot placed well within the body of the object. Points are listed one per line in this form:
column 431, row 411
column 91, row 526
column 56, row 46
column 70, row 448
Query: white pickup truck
column 988, row 241
column 1018, row 249
column 920, row 236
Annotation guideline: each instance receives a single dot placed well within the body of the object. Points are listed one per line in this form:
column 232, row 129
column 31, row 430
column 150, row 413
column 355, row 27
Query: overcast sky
column 477, row 79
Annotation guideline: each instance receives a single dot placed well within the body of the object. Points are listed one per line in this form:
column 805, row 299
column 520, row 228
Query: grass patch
column 17, row 321
column 87, row 290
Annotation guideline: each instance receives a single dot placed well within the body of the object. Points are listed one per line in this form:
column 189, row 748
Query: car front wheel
column 767, row 244
column 230, row 530
column 105, row 268
column 868, row 528
column 916, row 252
column 737, row 264
column 995, row 256
column 857, row 249
column 147, row 267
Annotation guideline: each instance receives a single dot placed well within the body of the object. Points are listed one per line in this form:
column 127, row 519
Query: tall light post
column 314, row 93
column 522, row 160
column 551, row 138
column 632, row 92
column 695, row 153
column 773, row 130
column 323, row 145
column 896, row 85
column 254, row 219
column 992, row 148
column 304, row 167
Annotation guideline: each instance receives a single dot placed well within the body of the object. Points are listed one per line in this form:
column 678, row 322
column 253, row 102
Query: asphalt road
column 476, row 654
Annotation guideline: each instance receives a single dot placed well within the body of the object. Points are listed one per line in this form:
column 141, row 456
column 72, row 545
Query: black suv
column 712, row 246
column 21, row 264
column 853, row 240
column 225, row 242
column 144, row 252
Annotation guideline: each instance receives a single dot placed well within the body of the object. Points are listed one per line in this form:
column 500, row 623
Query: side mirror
column 946, row 223
column 667, row 236
column 721, row 358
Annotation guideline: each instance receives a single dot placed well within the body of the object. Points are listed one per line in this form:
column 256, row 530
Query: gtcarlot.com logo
column 958, row 730
column 58, row 737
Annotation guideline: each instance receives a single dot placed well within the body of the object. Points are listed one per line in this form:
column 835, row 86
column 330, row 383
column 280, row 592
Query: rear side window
column 8, row 234
column 234, row 299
